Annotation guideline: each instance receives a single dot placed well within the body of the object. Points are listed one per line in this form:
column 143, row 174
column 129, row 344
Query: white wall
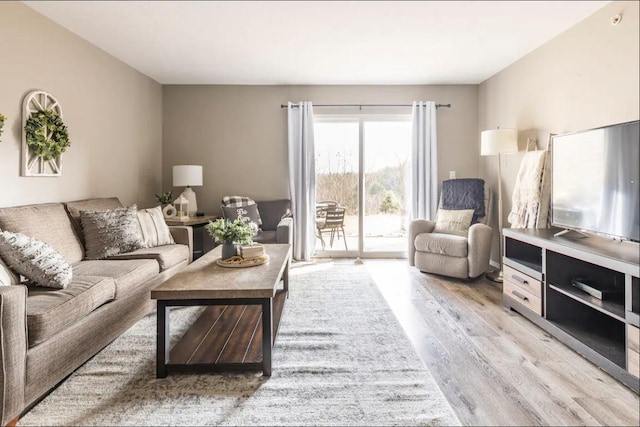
column 113, row 114
column 587, row 77
column 239, row 133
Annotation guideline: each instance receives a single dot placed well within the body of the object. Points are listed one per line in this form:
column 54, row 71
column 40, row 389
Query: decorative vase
column 169, row 211
column 229, row 250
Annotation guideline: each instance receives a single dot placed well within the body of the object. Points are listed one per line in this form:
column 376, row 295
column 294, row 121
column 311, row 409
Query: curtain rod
column 367, row 105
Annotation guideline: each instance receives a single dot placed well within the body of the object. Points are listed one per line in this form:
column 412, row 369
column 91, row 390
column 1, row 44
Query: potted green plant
column 164, row 198
column 230, row 234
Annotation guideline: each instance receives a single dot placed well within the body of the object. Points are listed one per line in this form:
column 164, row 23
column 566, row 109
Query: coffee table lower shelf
column 226, row 337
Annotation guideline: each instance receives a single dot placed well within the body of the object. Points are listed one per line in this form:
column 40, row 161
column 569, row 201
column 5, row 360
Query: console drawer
column 523, row 296
column 523, row 281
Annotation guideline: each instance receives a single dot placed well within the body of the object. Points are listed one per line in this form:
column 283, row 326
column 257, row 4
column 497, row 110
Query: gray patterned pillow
column 248, row 214
column 155, row 231
column 35, row 260
column 108, row 233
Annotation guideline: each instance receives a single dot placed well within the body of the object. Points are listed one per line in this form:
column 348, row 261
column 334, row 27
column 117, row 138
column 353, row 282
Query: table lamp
column 492, row 143
column 188, row 176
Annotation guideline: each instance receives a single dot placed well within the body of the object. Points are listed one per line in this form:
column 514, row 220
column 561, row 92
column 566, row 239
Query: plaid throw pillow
column 240, row 201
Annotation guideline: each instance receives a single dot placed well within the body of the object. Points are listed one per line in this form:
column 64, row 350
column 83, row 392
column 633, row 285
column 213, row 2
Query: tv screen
column 595, row 181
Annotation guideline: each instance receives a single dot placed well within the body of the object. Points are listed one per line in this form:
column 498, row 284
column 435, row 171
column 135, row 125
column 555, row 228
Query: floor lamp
column 494, row 143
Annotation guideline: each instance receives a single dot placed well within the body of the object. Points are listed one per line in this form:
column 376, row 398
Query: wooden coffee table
column 238, row 328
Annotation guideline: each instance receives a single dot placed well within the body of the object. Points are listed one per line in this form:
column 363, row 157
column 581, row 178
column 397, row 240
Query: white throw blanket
column 530, row 202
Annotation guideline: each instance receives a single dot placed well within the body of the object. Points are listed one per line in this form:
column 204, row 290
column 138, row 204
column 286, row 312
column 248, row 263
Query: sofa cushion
column 443, row 244
column 99, row 204
column 265, row 237
column 128, row 274
column 48, row 223
column 155, row 231
column 272, row 212
column 52, row 310
column 35, row 260
column 167, row 256
column 108, row 233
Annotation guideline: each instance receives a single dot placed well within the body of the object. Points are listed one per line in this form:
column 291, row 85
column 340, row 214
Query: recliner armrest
column 13, row 351
column 480, row 236
column 416, row 227
column 183, row 235
column 284, row 231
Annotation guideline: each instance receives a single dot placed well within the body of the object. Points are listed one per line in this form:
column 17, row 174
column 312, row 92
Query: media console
column 543, row 277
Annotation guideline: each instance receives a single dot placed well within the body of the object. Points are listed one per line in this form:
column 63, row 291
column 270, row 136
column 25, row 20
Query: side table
column 202, row 241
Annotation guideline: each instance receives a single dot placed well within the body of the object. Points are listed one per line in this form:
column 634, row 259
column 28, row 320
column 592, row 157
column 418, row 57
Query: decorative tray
column 239, row 262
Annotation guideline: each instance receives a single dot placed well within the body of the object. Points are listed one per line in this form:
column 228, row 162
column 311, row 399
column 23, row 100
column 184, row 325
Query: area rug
column 341, row 358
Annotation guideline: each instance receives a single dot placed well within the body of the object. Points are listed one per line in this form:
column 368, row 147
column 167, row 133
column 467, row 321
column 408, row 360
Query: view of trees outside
column 386, row 173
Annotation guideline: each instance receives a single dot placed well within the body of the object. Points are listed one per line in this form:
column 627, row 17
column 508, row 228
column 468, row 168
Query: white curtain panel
column 302, row 178
column 424, row 161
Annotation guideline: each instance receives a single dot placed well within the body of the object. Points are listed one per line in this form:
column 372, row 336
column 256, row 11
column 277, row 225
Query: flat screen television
column 595, row 181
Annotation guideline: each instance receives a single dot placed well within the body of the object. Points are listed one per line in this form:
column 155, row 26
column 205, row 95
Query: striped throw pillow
column 155, row 231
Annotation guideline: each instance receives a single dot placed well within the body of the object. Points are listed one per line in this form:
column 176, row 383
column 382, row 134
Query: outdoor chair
column 330, row 220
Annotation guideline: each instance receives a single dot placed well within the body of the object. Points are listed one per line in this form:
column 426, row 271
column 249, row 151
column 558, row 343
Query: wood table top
column 205, row 279
column 193, row 220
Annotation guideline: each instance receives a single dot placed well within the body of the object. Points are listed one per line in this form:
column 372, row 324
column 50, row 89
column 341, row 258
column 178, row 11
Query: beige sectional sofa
column 45, row 334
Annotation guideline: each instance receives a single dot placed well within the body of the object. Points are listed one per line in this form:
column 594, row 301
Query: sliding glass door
column 387, row 147
column 362, row 178
column 337, row 145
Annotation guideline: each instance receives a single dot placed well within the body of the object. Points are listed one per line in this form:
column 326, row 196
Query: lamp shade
column 493, row 142
column 187, row 175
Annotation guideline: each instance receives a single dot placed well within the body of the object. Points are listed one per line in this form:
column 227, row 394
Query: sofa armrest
column 416, row 227
column 183, row 235
column 13, row 351
column 480, row 236
column 284, row 231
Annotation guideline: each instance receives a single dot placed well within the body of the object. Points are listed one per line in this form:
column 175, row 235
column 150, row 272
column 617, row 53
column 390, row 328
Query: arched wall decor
column 32, row 164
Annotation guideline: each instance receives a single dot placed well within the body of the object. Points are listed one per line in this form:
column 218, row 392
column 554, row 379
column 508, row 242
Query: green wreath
column 46, row 134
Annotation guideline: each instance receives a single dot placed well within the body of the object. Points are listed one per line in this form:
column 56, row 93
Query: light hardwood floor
column 493, row 365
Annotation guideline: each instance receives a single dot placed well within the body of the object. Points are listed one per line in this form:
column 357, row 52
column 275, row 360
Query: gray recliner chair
column 451, row 255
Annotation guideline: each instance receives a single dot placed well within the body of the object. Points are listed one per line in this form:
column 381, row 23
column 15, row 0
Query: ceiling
column 324, row 42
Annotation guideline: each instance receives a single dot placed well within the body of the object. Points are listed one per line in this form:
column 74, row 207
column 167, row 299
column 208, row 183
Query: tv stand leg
column 563, row 232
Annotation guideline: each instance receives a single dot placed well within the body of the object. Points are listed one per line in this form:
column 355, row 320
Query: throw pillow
column 108, row 233
column 155, row 232
column 453, row 221
column 245, row 213
column 240, row 201
column 7, row 277
column 35, row 260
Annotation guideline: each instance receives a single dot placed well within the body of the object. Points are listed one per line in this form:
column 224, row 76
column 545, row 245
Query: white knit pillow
column 35, row 260
column 7, row 277
column 453, row 221
column 155, row 232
